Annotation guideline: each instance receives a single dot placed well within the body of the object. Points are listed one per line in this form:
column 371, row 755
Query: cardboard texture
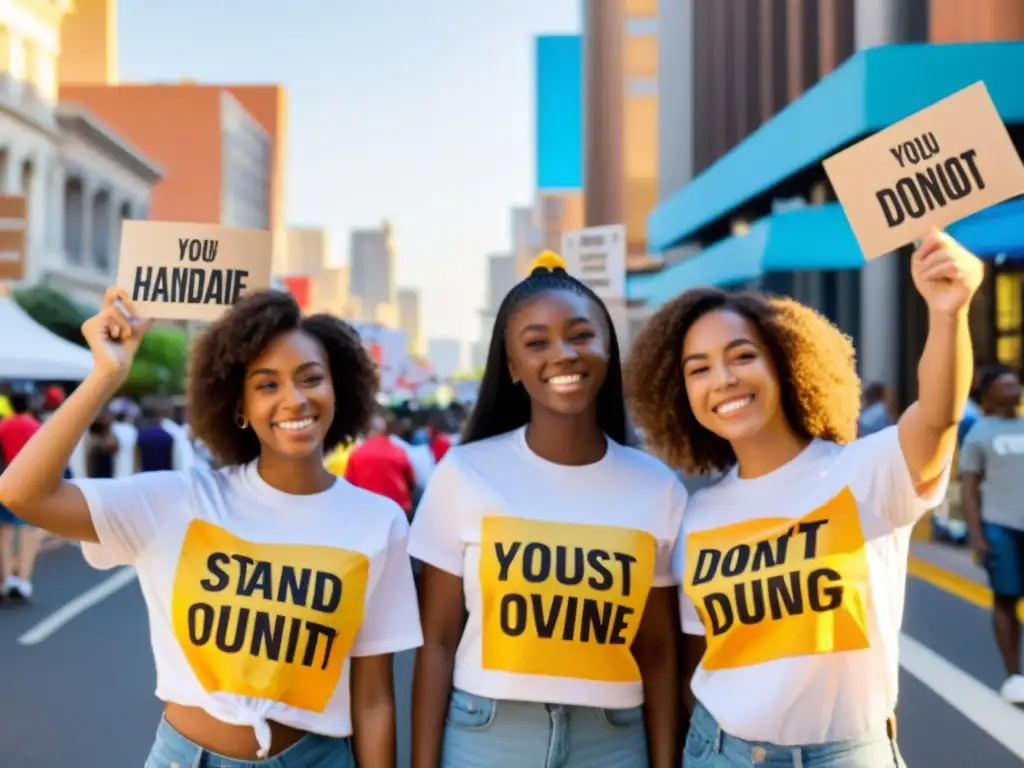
column 13, row 223
column 181, row 271
column 931, row 169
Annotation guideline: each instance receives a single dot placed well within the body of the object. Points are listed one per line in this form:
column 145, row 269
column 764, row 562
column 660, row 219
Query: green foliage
column 54, row 311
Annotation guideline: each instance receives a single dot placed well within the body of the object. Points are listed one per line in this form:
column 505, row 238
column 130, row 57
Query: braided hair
column 501, row 405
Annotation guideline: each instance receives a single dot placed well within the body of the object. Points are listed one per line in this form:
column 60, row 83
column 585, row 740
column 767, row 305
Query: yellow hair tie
column 548, row 260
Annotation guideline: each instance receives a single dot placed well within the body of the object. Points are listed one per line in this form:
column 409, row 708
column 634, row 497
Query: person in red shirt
column 380, row 466
column 15, row 431
column 439, row 441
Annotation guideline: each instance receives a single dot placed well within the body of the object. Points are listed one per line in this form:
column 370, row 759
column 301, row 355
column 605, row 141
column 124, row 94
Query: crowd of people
column 575, row 605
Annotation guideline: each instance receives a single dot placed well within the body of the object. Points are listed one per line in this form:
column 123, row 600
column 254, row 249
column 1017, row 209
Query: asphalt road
column 83, row 697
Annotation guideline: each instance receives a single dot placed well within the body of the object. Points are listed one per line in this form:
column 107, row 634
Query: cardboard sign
column 176, row 271
column 931, row 169
column 13, row 223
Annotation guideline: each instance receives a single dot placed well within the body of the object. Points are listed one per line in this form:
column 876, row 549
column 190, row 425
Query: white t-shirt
column 556, row 562
column 797, row 579
column 258, row 598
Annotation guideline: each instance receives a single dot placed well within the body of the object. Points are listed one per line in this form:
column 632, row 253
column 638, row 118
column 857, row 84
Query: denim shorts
column 9, row 518
column 172, row 750
column 489, row 733
column 1005, row 561
column 708, row 746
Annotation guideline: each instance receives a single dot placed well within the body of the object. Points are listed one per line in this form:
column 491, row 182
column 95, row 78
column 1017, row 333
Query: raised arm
column 947, row 276
column 33, row 485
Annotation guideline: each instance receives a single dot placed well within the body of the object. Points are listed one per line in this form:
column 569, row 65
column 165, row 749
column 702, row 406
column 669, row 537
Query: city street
column 81, row 696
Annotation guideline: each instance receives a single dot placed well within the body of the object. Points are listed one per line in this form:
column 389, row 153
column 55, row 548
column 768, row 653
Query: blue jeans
column 485, row 733
column 172, row 750
column 708, row 746
column 1005, row 561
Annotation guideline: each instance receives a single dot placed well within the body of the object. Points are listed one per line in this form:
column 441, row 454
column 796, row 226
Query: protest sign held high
column 178, row 271
column 931, row 169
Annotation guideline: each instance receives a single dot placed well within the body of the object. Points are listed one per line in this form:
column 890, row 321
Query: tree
column 54, row 311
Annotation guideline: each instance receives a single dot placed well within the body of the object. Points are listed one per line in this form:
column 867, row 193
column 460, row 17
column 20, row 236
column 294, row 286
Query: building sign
column 597, row 257
column 179, row 271
column 931, row 169
column 13, row 226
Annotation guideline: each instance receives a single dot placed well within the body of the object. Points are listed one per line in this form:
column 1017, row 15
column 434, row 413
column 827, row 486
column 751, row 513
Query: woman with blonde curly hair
column 793, row 565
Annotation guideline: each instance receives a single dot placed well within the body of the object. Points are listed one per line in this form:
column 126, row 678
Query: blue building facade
column 559, row 112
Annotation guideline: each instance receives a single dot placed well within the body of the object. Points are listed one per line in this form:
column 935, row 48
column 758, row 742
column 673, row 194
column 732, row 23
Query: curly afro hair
column 815, row 361
column 224, row 351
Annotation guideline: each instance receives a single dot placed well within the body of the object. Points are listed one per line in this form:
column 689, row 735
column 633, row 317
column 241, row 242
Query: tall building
column 410, row 319
column 372, row 268
column 89, row 44
column 620, row 120
column 444, row 356
column 750, row 91
column 524, row 239
column 308, row 252
column 220, row 162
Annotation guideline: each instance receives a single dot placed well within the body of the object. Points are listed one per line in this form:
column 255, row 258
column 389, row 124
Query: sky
column 417, row 111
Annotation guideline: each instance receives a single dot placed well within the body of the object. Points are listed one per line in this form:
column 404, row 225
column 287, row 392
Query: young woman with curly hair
column 556, row 538
column 793, row 565
column 276, row 592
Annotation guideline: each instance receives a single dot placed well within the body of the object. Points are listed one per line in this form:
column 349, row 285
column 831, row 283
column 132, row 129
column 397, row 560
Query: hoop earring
column 242, row 422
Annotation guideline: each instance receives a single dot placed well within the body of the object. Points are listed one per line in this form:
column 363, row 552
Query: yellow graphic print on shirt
column 273, row 621
column 563, row 599
column 775, row 588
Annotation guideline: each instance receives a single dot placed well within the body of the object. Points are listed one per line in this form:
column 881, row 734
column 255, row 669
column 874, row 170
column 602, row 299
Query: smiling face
column 557, row 346
column 289, row 397
column 731, row 381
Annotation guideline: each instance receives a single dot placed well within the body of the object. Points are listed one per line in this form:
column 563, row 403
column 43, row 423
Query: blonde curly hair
column 816, row 364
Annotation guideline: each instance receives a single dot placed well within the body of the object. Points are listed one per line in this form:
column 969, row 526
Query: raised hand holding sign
column 114, row 334
column 945, row 273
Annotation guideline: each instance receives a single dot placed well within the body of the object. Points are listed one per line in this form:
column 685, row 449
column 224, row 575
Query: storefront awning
column 871, row 90
column 813, row 238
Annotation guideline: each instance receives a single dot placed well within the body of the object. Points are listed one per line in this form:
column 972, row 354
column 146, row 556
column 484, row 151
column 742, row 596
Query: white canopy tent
column 30, row 351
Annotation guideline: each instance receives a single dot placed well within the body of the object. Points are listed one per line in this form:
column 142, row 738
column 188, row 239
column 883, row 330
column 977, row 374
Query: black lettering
column 215, row 288
column 957, row 178
column 569, row 626
column 752, row 613
column 910, row 197
column 196, row 285
column 141, row 286
column 596, row 620
column 719, row 623
column 968, row 157
column 316, row 631
column 292, row 588
column 182, row 248
column 823, row 598
column 238, row 283
column 266, row 638
column 785, row 599
column 513, row 626
column 910, row 152
column 160, row 287
column 707, row 566
column 765, row 557
column 931, row 144
column 213, row 565
column 562, row 565
column 326, row 592
column 620, row 625
column 931, row 189
column 243, row 570
column 200, row 623
column 810, row 532
column 533, row 571
column 546, row 620
column 736, row 560
column 241, row 624
column 505, row 559
column 894, row 215
column 195, row 250
column 596, row 559
column 260, row 580
column 293, row 640
column 897, row 152
column 627, row 562
column 209, row 251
